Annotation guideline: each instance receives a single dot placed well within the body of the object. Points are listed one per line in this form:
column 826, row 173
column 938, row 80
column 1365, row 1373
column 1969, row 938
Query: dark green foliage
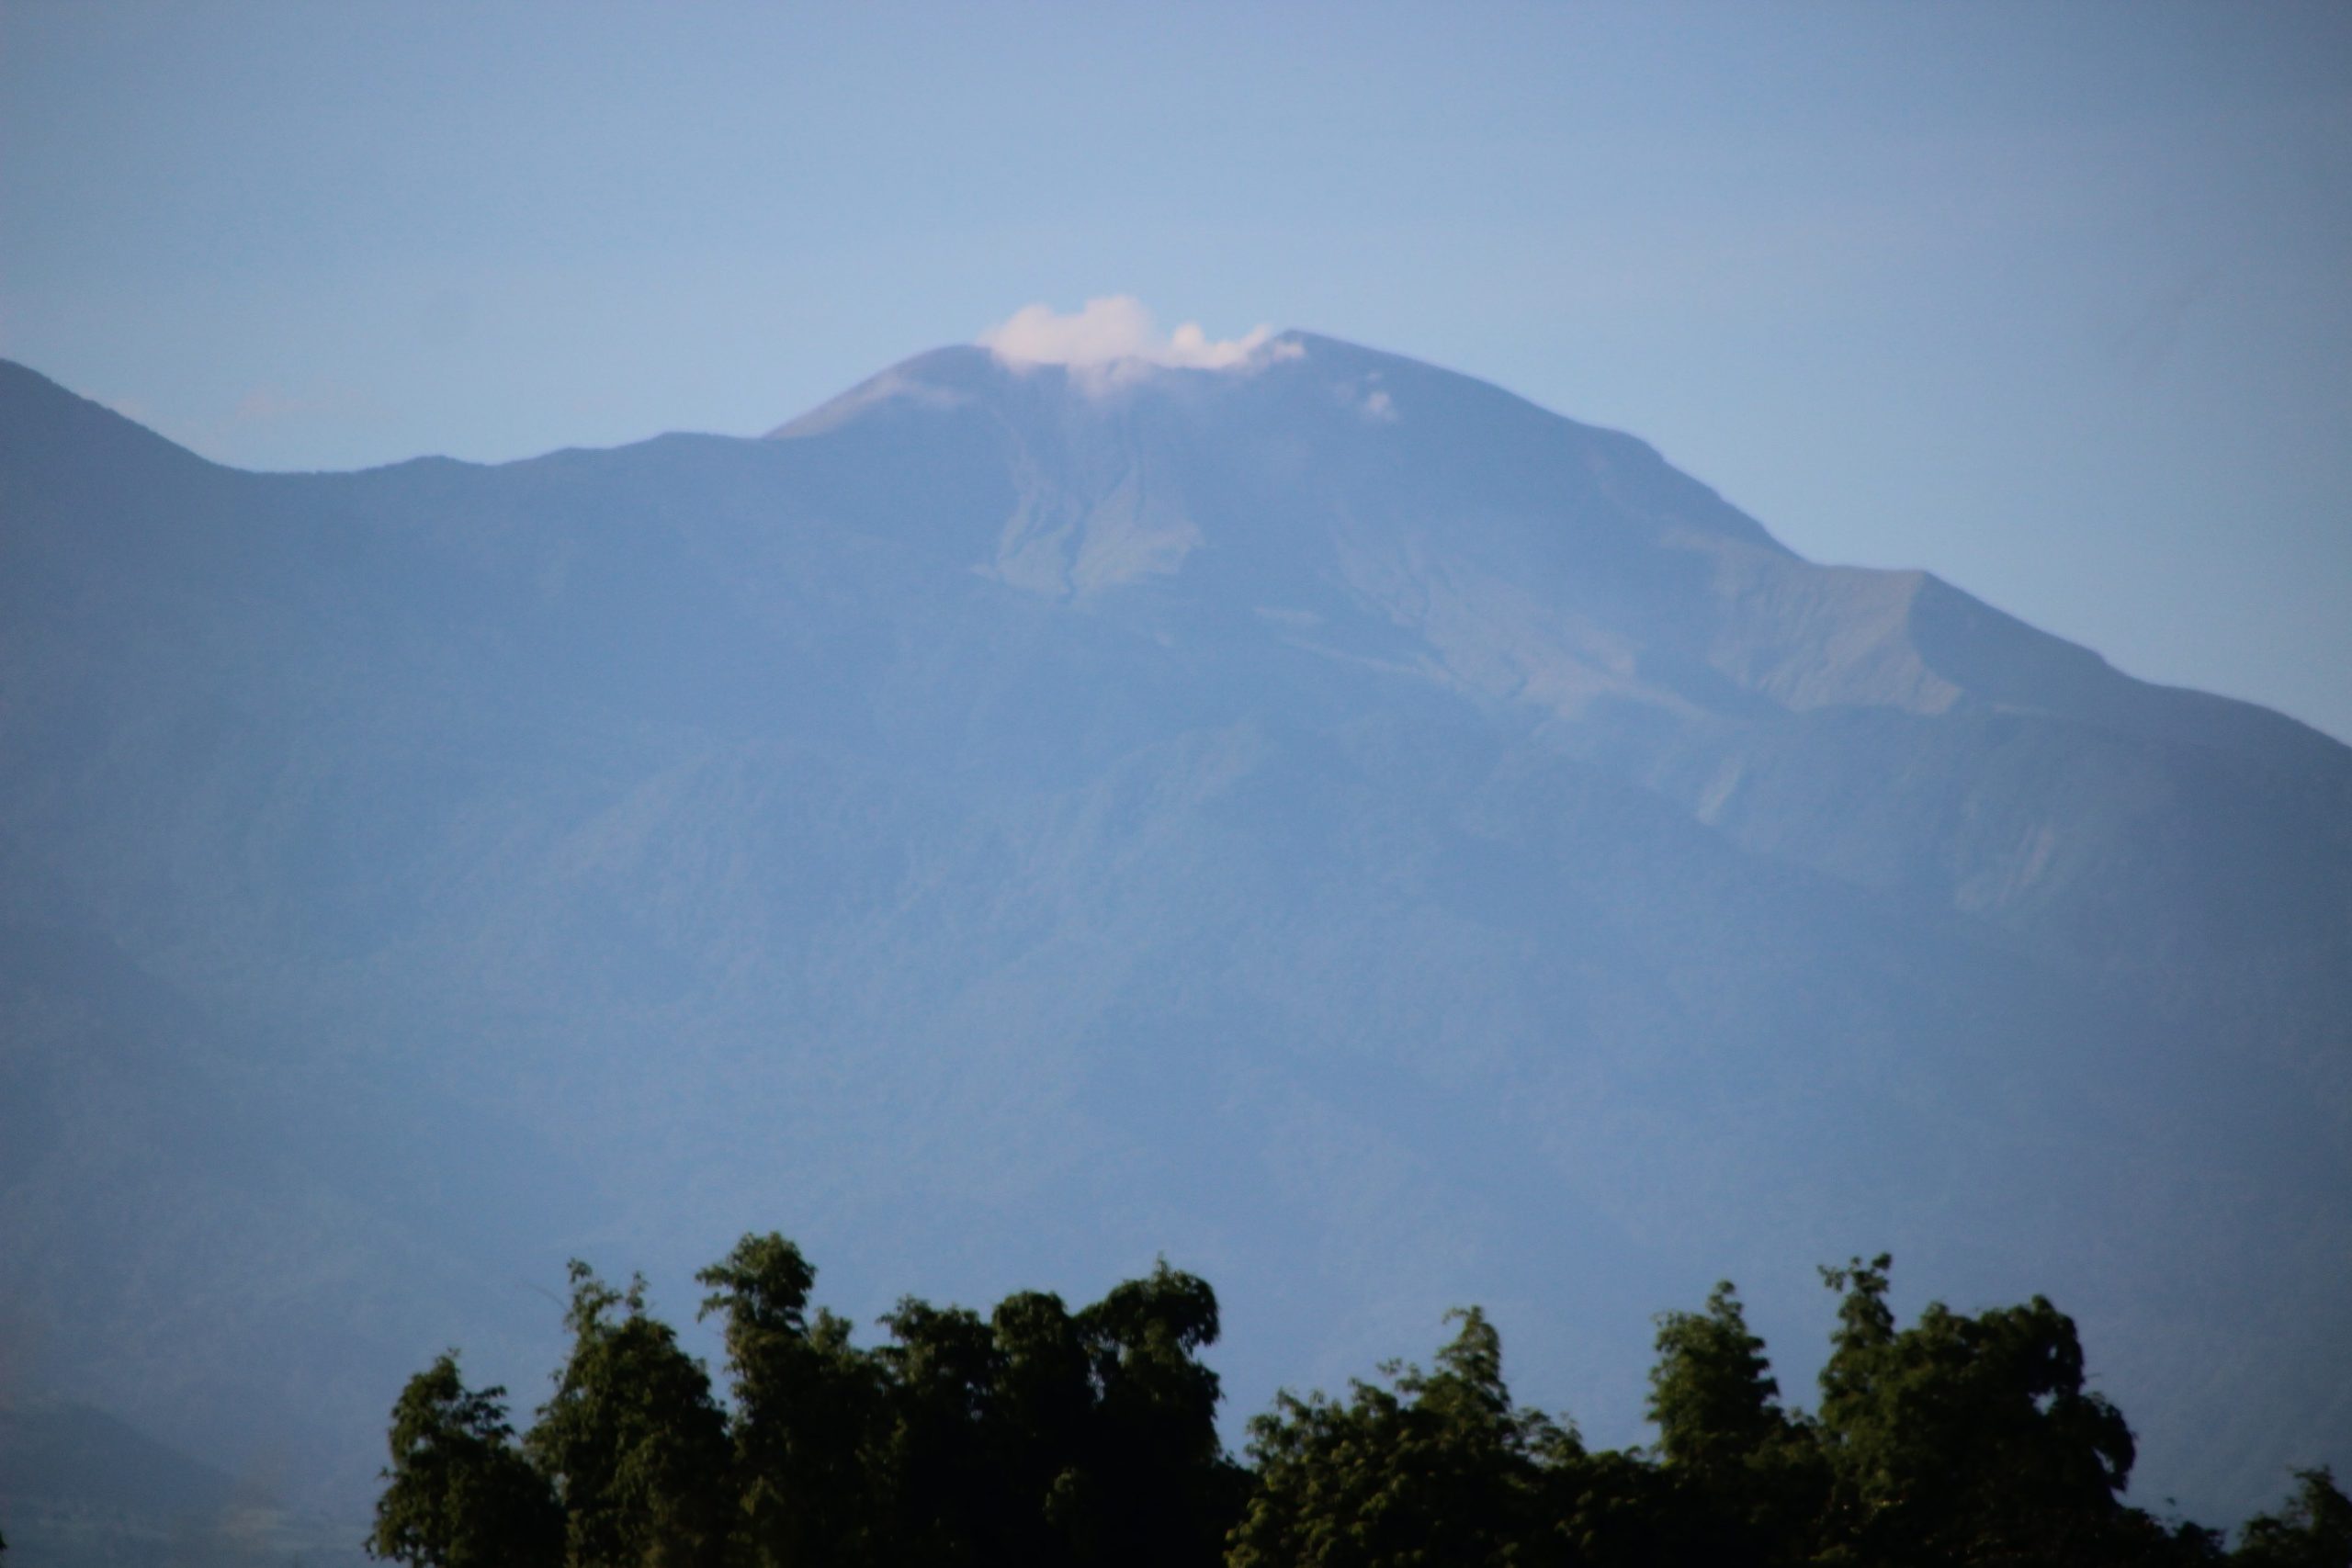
column 459, row 1494
column 1966, row 1439
column 1433, row 1468
column 1042, row 1438
column 1750, row 1480
column 1161, row 1490
column 636, row 1449
column 1044, row 1417
column 940, row 1462
column 808, row 1408
column 1712, row 1392
column 2313, row 1530
column 1035, row 1435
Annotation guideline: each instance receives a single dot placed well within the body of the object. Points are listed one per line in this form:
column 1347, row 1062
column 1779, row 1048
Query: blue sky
column 2049, row 301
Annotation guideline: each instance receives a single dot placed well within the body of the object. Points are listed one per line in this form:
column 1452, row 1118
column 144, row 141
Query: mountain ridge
column 31, row 401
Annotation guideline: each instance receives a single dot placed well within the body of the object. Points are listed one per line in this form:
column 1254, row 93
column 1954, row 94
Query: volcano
column 1323, row 819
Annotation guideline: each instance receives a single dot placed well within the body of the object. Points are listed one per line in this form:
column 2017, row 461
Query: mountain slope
column 1330, row 820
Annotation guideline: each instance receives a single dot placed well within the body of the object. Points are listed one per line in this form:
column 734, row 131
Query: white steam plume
column 1118, row 328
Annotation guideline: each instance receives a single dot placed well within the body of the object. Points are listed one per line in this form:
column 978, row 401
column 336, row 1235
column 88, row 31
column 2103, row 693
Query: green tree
column 1163, row 1492
column 950, row 1499
column 2313, row 1530
column 1712, row 1390
column 1435, row 1467
column 807, row 1406
column 1036, row 1436
column 635, row 1446
column 458, row 1493
column 1044, row 1433
column 1967, row 1439
column 1749, row 1475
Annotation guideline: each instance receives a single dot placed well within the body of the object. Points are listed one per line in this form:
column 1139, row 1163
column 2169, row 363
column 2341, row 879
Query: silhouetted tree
column 948, row 1501
column 1434, row 1468
column 1045, row 1411
column 2313, row 1530
column 1046, row 1439
column 1162, row 1490
column 807, row 1408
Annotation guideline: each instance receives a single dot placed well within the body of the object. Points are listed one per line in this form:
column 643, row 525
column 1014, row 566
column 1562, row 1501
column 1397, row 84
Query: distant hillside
column 79, row 1489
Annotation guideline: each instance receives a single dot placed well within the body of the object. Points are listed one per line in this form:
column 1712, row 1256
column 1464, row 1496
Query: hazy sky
column 2052, row 300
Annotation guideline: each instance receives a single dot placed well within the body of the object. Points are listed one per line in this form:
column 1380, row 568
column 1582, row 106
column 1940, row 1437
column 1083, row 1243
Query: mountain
column 79, row 1489
column 1327, row 820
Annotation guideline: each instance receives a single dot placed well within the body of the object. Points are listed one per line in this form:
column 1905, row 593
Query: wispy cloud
column 1120, row 328
column 263, row 404
column 267, row 405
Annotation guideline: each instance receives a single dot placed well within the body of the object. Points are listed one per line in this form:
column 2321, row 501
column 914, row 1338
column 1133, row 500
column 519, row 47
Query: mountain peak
column 1266, row 441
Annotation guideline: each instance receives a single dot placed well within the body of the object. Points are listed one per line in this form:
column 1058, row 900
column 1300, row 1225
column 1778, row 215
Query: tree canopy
column 1045, row 1437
